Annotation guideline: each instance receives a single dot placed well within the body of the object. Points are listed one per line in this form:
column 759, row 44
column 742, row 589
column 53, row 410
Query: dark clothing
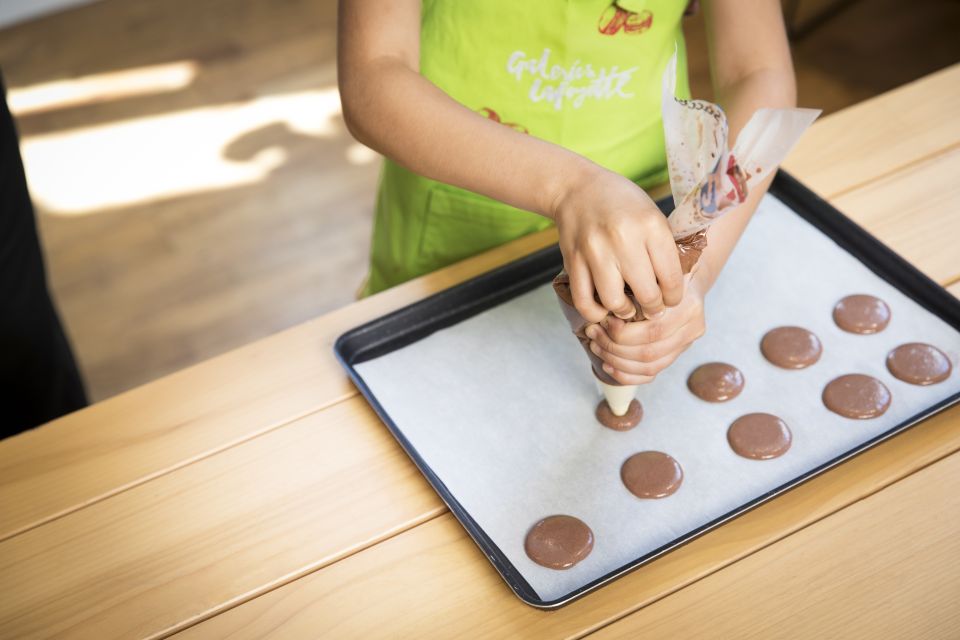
column 39, row 380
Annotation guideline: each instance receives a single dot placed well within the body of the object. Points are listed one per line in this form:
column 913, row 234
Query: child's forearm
column 393, row 109
column 751, row 67
column 739, row 103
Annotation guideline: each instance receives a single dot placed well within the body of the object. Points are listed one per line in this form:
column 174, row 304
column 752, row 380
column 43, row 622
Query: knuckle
column 581, row 305
column 593, row 244
column 626, row 369
column 654, row 331
column 673, row 279
column 603, row 341
column 592, row 313
column 625, row 309
column 639, row 368
column 652, row 224
column 586, row 308
column 616, row 332
column 617, row 300
column 651, row 302
column 619, row 234
column 660, row 366
column 639, row 353
column 646, row 354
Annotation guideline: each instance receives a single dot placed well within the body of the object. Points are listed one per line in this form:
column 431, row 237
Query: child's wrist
column 572, row 176
column 702, row 278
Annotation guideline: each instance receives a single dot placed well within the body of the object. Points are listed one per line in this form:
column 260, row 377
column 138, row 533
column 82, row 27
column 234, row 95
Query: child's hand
column 612, row 233
column 635, row 352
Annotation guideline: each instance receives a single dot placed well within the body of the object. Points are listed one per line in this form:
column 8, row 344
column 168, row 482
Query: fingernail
column 608, row 369
column 592, row 332
column 658, row 314
column 595, row 348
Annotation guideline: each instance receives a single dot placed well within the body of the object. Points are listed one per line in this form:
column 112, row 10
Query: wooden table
column 257, row 495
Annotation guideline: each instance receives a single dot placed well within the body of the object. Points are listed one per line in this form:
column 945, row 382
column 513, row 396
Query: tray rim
column 852, row 238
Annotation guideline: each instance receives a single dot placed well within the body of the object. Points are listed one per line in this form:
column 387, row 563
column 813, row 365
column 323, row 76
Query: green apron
column 584, row 74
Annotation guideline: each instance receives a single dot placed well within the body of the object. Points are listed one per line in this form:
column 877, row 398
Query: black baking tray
column 451, row 306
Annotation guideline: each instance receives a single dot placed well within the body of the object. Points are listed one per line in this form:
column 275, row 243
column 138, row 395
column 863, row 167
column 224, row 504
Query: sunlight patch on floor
column 101, row 87
column 82, row 171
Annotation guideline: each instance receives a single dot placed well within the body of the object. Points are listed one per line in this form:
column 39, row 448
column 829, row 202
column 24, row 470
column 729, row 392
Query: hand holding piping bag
column 707, row 180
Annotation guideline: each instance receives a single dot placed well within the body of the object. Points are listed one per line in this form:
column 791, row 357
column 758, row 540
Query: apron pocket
column 459, row 224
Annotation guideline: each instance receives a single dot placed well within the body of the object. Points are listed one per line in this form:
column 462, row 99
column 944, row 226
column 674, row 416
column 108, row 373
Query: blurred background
column 195, row 185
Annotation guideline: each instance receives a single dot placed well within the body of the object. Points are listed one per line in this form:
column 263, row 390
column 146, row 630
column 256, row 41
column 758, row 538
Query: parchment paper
column 501, row 405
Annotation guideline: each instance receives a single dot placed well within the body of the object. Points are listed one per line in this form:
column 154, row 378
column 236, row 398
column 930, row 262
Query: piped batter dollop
column 651, row 474
column 627, row 421
column 716, row 382
column 791, row 347
column 856, row 396
column 759, row 436
column 559, row 542
column 919, row 363
column 861, row 313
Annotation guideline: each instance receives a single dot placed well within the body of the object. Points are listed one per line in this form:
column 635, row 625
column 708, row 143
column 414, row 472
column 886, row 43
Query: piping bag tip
column 618, row 397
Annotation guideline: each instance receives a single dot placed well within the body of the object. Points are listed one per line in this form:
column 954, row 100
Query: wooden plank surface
column 434, row 578
column 114, row 445
column 886, row 567
column 170, row 551
column 879, row 136
column 918, row 205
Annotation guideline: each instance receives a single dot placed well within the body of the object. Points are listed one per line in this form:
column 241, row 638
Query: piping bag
column 707, row 180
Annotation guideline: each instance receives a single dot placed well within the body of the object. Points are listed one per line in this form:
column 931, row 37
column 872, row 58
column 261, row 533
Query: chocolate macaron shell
column 651, row 474
column 559, row 542
column 716, row 382
column 759, row 436
column 791, row 347
column 862, row 314
column 919, row 363
column 857, row 396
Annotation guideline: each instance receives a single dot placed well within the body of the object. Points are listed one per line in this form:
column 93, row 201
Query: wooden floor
column 205, row 192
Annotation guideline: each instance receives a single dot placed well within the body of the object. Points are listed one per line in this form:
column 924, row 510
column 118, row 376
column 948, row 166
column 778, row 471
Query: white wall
column 14, row 11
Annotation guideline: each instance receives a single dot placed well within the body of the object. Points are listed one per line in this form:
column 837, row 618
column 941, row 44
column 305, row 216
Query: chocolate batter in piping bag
column 707, row 180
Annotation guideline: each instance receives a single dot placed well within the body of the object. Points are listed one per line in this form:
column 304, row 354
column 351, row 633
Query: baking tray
column 452, row 306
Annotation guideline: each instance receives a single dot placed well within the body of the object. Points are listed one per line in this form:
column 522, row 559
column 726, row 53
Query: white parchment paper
column 501, row 405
